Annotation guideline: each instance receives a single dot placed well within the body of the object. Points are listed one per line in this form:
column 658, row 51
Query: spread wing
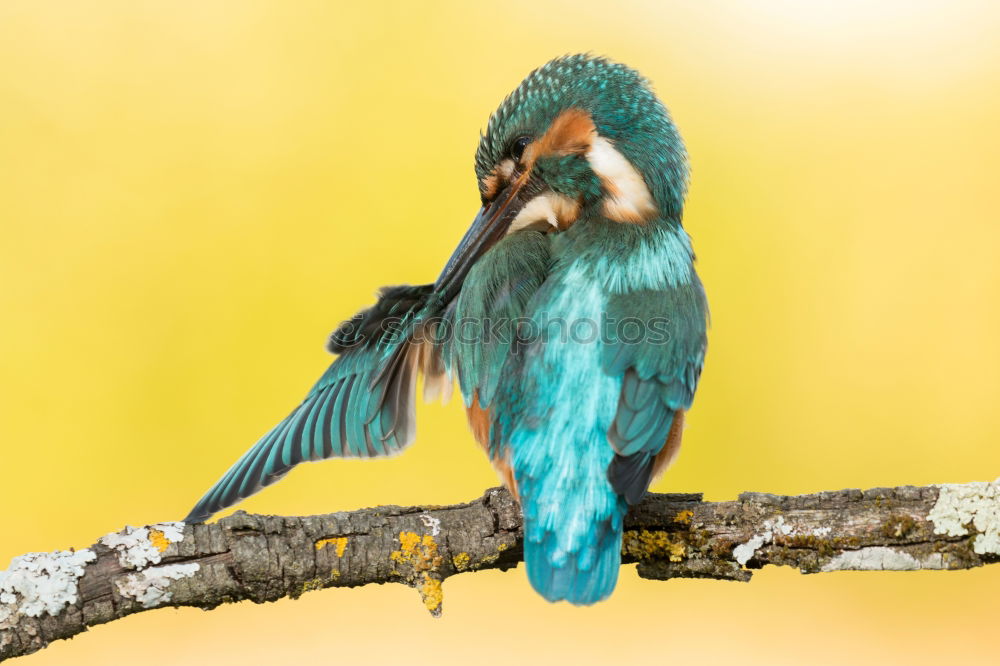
column 362, row 406
column 659, row 359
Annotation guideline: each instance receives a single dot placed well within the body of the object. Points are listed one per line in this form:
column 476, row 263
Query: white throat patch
column 627, row 199
column 556, row 210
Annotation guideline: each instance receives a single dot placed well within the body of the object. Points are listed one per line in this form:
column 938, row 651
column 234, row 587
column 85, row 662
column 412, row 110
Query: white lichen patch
column 150, row 586
column 780, row 526
column 138, row 547
column 38, row 583
column 430, row 521
column 743, row 552
column 976, row 504
column 822, row 531
column 172, row 531
column 882, row 558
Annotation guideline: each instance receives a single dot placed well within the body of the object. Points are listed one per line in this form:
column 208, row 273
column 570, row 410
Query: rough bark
column 48, row 596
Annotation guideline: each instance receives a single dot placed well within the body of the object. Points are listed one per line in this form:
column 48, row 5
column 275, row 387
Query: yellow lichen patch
column 646, row 544
column 335, row 574
column 432, row 593
column 462, row 561
column 420, row 552
column 492, row 558
column 340, row 543
column 408, row 543
column 157, row 538
column 684, row 517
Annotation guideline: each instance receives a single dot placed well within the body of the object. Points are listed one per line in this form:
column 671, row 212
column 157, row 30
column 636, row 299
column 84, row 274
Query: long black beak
column 491, row 224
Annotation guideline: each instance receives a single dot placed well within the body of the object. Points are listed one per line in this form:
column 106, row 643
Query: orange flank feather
column 479, row 423
column 669, row 452
column 437, row 383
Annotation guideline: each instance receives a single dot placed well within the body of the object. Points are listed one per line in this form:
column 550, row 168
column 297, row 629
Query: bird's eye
column 517, row 148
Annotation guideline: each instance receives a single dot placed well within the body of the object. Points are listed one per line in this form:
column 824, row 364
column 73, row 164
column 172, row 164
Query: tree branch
column 48, row 596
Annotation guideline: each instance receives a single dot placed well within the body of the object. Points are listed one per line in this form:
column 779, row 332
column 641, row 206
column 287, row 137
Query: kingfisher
column 570, row 314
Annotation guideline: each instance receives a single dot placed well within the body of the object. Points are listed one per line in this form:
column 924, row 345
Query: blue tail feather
column 583, row 577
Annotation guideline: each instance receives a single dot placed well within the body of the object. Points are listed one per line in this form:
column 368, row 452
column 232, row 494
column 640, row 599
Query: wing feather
column 659, row 377
column 362, row 406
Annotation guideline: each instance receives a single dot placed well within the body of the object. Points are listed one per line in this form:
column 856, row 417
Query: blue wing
column 659, row 374
column 362, row 406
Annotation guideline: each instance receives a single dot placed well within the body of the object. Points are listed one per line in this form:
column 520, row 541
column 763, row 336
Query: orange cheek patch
column 571, row 132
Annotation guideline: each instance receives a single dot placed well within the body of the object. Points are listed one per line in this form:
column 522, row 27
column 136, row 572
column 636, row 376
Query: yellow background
column 192, row 195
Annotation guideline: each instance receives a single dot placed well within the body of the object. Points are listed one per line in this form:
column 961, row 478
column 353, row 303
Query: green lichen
column 311, row 584
column 654, row 544
column 822, row 545
column 898, row 526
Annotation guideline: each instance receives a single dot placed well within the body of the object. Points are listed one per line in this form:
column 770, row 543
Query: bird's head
column 580, row 138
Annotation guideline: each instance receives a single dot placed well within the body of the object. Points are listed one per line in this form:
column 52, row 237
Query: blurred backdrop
column 193, row 195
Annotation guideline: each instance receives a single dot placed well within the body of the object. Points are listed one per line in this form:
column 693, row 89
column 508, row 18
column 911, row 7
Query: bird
column 588, row 327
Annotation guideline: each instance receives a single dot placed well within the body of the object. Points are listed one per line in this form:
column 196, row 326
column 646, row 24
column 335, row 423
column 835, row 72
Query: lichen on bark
column 264, row 558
